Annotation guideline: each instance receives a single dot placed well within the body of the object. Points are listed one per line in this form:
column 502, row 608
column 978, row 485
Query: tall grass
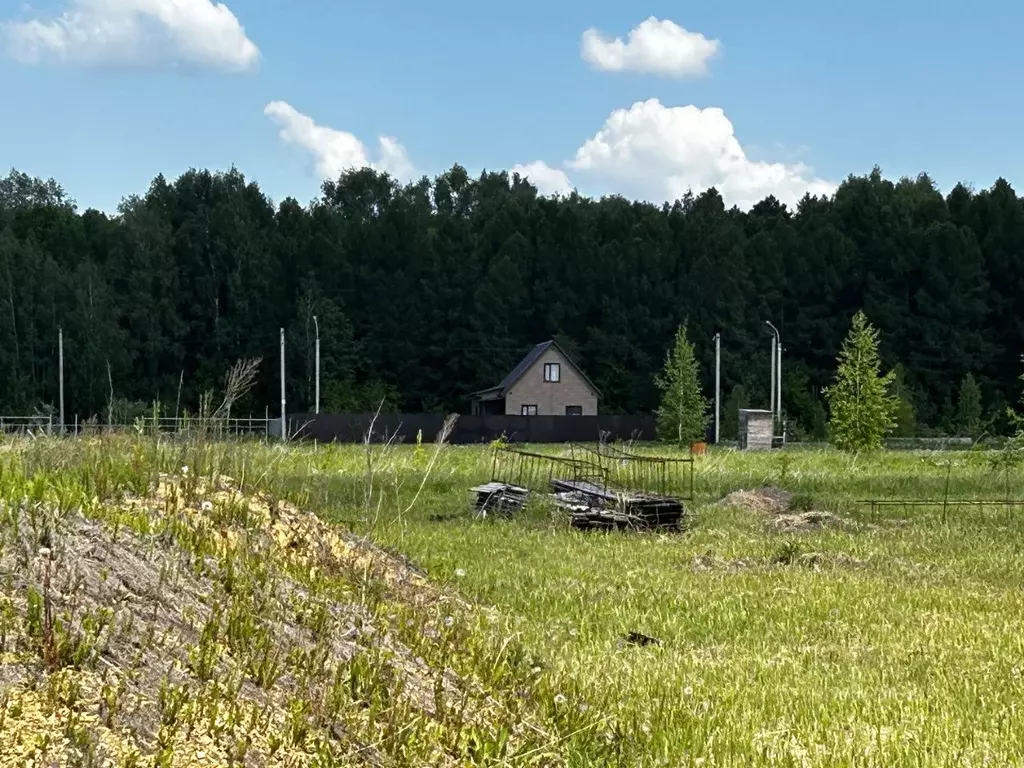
column 896, row 639
column 893, row 641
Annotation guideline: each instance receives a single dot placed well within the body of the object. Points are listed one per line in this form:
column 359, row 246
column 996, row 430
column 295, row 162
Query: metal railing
column 641, row 473
column 21, row 425
column 193, row 425
column 169, row 425
column 943, row 508
column 536, row 471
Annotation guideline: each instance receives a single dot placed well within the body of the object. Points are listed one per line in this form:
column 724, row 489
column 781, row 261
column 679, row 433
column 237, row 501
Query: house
column 544, row 383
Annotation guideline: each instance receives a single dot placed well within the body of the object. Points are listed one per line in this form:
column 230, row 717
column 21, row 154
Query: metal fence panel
column 404, row 427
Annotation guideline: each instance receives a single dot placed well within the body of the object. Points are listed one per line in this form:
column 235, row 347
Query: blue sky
column 809, row 92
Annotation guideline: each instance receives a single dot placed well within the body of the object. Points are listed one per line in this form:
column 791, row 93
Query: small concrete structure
column 756, row 430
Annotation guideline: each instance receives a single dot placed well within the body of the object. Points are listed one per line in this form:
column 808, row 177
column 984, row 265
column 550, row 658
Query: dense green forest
column 429, row 291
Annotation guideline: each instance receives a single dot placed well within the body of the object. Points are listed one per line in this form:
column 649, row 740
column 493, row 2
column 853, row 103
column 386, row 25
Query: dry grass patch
column 783, row 511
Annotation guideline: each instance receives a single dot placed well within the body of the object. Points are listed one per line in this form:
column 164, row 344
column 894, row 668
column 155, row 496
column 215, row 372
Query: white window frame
column 552, row 373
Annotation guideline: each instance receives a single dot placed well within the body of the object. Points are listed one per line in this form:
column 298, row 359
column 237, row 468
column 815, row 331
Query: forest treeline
column 428, row 291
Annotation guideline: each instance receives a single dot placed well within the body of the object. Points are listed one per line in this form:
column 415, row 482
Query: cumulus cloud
column 394, row 159
column 662, row 152
column 128, row 33
column 547, row 180
column 648, row 151
column 335, row 151
column 654, row 47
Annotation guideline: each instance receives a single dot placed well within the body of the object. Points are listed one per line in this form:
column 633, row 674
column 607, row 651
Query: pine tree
column 968, row 408
column 906, row 414
column 683, row 415
column 1016, row 421
column 862, row 408
column 738, row 398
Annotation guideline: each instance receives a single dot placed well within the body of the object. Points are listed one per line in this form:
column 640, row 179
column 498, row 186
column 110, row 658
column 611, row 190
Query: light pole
column 317, row 398
column 776, row 371
column 284, row 404
column 60, row 374
column 718, row 385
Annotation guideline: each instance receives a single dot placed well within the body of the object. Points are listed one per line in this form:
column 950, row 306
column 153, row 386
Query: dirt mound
column 778, row 506
column 765, row 500
column 197, row 625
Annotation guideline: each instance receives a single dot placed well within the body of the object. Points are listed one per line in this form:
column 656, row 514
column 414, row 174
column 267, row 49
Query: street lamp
column 316, row 399
column 776, row 371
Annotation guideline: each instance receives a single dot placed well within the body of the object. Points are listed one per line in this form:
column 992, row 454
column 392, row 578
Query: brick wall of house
column 551, row 398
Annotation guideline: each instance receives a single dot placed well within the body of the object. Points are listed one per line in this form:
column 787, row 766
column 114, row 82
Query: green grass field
column 894, row 638
column 899, row 642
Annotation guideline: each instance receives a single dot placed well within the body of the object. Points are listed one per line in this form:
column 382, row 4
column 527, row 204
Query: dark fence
column 352, row 428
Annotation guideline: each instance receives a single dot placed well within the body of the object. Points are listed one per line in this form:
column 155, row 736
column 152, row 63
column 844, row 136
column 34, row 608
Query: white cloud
column 336, row 151
column 655, row 47
column 648, row 151
column 126, row 33
column 662, row 152
column 394, row 159
column 547, row 180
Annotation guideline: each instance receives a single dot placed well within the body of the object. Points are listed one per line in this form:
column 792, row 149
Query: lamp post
column 316, row 400
column 718, row 385
column 776, row 371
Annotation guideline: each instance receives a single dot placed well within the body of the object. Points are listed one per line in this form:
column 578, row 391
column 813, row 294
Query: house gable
column 550, row 398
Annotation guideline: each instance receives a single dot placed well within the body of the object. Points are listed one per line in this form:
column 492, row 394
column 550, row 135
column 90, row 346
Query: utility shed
column 756, row 430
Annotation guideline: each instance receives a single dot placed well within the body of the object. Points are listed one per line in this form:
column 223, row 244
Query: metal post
column 718, row 385
column 284, row 421
column 317, row 400
column 177, row 404
column 60, row 373
column 778, row 372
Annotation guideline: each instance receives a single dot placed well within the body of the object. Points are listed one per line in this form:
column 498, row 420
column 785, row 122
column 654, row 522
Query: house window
column 574, row 410
column 552, row 372
column 529, row 410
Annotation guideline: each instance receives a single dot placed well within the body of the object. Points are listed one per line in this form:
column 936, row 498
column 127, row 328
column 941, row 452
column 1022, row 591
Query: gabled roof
column 523, row 366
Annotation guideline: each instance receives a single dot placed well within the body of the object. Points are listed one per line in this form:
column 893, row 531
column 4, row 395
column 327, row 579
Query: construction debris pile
column 591, row 490
column 499, row 499
column 590, row 506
